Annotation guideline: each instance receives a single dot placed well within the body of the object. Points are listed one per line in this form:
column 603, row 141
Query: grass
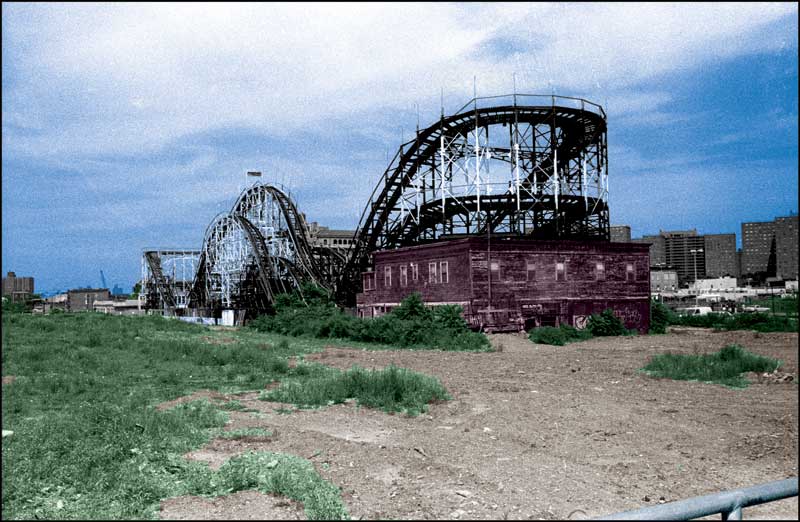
column 392, row 389
column 88, row 439
column 558, row 336
column 723, row 367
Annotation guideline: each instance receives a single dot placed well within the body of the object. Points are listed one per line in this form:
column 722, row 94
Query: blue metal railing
column 728, row 503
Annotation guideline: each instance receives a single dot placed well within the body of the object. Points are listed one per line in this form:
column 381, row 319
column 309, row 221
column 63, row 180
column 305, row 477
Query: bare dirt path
column 536, row 431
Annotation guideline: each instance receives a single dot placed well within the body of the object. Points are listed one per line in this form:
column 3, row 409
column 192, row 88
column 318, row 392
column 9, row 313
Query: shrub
column 558, row 336
column 723, row 367
column 606, row 324
column 660, row 317
column 410, row 325
column 548, row 335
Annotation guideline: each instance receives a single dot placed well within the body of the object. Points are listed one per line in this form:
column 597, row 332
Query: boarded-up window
column 387, row 277
column 444, row 276
column 530, row 271
column 432, row 272
column 495, row 268
column 561, row 271
column 629, row 273
column 414, row 271
column 403, row 275
column 600, row 272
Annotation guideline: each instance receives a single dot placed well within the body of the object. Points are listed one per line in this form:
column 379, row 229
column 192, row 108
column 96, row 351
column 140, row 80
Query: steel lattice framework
column 517, row 165
column 257, row 250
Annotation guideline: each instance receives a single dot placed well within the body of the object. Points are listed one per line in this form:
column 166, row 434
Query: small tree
column 606, row 324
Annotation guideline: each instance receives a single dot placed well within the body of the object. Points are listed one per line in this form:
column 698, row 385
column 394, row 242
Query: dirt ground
column 535, row 431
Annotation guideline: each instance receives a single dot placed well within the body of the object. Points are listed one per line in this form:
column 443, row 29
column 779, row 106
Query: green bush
column 723, row 367
column 606, row 324
column 558, row 336
column 660, row 318
column 409, row 325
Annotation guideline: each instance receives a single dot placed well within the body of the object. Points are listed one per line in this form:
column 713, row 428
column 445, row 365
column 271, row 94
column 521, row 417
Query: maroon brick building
column 536, row 282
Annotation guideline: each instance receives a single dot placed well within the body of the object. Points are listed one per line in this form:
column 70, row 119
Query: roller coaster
column 508, row 166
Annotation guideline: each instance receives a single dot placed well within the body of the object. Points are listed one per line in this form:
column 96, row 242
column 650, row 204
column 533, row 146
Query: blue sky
column 128, row 126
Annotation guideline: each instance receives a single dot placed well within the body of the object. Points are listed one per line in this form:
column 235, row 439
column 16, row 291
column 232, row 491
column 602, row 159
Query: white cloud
column 131, row 77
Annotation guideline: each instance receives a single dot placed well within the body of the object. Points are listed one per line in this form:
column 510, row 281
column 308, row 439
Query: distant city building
column 17, row 287
column 713, row 284
column 119, row 307
column 786, row 246
column 757, row 240
column 679, row 246
column 339, row 240
column 720, row 255
column 83, row 299
column 620, row 233
column 117, row 290
column 658, row 250
column 756, row 243
column 663, row 279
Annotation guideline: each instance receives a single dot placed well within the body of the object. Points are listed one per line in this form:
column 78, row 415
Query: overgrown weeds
column 558, row 336
column 392, row 389
column 410, row 325
column 723, row 367
column 88, row 440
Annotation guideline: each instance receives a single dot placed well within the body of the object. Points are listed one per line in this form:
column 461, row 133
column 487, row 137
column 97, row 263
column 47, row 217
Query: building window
column 403, row 275
column 414, row 271
column 600, row 272
column 368, row 282
column 387, row 277
column 444, row 277
column 432, row 272
column 530, row 271
column 495, row 269
column 561, row 272
column 629, row 273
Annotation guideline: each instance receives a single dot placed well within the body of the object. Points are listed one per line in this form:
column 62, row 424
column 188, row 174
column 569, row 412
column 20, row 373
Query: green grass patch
column 723, row 367
column 410, row 325
column 558, row 336
column 89, row 442
column 392, row 389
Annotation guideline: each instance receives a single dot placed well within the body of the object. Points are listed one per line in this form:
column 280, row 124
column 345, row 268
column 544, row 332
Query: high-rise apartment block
column 720, row 255
column 757, row 240
column 756, row 243
column 685, row 251
column 658, row 249
column 786, row 246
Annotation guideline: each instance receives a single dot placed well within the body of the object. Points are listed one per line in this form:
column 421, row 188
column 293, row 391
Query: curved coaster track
column 519, row 165
column 501, row 165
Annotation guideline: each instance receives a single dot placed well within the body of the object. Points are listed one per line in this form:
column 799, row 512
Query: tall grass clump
column 410, row 325
column 392, row 389
column 558, row 336
column 723, row 367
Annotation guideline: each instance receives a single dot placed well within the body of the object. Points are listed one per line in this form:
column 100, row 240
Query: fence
column 728, row 503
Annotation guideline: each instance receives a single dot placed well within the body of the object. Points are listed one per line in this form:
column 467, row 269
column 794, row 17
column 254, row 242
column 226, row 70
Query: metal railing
column 728, row 503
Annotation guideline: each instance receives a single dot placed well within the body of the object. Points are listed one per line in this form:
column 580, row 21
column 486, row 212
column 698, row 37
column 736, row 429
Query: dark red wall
column 540, row 300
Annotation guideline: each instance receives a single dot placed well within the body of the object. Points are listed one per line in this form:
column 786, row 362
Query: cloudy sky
column 128, row 126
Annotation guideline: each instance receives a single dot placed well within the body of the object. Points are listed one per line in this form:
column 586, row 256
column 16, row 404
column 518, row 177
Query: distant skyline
column 132, row 125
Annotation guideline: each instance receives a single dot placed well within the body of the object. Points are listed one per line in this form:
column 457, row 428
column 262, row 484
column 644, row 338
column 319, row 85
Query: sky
column 127, row 126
